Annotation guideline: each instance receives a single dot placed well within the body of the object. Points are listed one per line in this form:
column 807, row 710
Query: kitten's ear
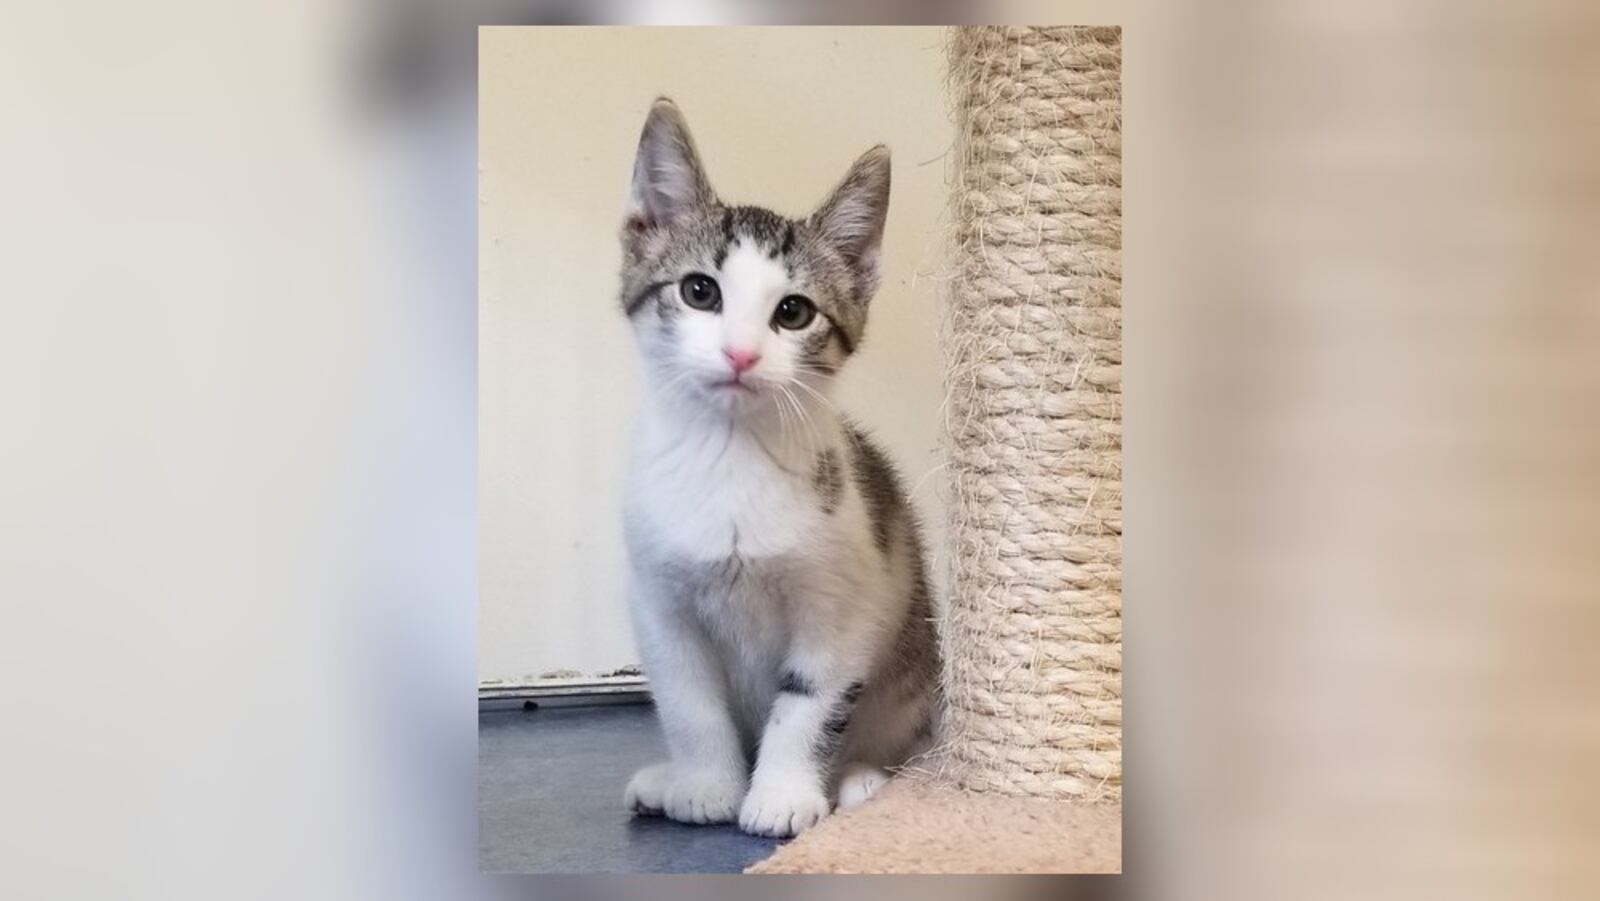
column 852, row 218
column 667, row 177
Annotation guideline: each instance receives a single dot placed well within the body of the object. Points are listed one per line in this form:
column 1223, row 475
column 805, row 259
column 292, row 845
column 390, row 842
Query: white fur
column 718, row 471
column 860, row 782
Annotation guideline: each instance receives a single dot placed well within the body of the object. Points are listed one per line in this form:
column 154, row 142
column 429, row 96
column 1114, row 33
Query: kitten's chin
column 734, row 398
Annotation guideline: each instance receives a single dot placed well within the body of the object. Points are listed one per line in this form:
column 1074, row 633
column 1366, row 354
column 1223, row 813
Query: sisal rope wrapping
column 1033, row 637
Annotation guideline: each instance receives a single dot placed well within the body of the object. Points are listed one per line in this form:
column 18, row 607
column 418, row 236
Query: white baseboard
column 564, row 692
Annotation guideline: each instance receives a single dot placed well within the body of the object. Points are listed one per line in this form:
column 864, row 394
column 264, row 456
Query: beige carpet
column 911, row 827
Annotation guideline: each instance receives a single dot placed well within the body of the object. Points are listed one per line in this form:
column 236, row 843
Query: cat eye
column 794, row 312
column 700, row 292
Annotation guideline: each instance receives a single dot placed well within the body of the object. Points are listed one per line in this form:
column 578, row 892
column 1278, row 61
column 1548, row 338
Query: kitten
column 778, row 589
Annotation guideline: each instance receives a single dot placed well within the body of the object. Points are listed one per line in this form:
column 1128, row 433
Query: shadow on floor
column 550, row 798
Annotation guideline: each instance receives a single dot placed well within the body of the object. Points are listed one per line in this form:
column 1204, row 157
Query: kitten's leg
column 893, row 725
column 788, row 791
column 705, row 776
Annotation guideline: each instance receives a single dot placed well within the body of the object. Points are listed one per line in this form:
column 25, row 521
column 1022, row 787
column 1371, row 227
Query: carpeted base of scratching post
column 916, row 827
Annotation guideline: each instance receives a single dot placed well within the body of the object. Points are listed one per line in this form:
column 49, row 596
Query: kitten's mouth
column 734, row 385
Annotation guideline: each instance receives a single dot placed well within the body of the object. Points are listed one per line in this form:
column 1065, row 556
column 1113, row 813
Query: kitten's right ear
column 668, row 180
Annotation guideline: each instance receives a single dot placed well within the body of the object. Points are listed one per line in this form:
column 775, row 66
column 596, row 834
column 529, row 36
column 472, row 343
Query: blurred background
column 238, row 529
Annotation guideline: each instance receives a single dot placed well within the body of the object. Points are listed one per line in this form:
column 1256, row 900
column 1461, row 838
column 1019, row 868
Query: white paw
column 859, row 782
column 647, row 790
column 685, row 795
column 782, row 808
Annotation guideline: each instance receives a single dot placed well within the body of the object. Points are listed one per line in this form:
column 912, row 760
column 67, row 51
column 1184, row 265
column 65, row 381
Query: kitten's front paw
column 647, row 790
column 685, row 795
column 782, row 809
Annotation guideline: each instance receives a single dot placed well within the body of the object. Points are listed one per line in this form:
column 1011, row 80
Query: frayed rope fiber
column 1033, row 344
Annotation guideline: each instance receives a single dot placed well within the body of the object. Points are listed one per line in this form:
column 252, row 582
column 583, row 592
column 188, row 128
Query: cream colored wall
column 778, row 114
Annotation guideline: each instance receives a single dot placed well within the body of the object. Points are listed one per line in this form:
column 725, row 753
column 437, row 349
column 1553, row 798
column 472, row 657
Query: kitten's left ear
column 852, row 218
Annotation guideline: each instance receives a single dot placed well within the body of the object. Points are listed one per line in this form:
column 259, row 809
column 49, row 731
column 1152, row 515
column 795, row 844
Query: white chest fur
column 700, row 492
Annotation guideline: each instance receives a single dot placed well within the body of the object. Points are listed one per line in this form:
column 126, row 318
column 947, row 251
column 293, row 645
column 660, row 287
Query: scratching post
column 1033, row 636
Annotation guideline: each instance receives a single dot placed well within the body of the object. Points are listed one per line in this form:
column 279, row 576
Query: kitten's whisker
column 817, row 394
column 805, row 416
column 672, row 382
column 783, row 417
column 791, row 399
column 812, row 367
column 819, row 373
column 800, row 414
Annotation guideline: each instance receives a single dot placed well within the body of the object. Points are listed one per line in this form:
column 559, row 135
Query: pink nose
column 741, row 360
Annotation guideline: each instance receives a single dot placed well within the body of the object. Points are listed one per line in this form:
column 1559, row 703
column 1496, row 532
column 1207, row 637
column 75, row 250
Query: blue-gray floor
column 550, row 798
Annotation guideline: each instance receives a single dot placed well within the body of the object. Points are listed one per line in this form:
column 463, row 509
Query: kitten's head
column 734, row 304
